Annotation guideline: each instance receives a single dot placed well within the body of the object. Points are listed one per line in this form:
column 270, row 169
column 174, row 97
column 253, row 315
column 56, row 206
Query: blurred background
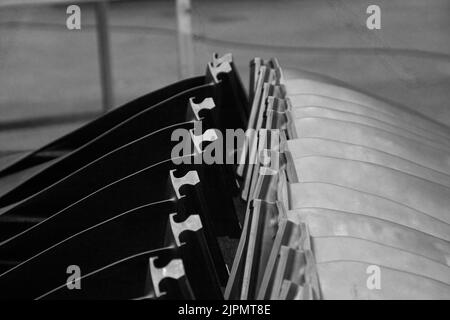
column 50, row 81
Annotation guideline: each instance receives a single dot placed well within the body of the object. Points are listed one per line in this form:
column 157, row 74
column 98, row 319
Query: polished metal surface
column 367, row 183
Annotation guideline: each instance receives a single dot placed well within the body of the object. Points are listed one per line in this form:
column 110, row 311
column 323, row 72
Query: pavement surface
column 48, row 71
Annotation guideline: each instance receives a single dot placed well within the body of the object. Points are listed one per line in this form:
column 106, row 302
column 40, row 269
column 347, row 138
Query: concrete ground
column 47, row 71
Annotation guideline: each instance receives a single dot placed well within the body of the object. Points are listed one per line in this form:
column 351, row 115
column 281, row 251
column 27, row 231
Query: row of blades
column 348, row 195
column 109, row 212
column 345, row 196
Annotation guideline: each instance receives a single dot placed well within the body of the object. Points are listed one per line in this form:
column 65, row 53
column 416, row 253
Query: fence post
column 104, row 54
column 185, row 40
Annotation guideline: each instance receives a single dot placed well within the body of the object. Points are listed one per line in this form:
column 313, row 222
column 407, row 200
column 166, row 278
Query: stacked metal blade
column 109, row 212
column 348, row 195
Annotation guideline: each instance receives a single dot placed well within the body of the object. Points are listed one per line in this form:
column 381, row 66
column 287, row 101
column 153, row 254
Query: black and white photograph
column 244, row 153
